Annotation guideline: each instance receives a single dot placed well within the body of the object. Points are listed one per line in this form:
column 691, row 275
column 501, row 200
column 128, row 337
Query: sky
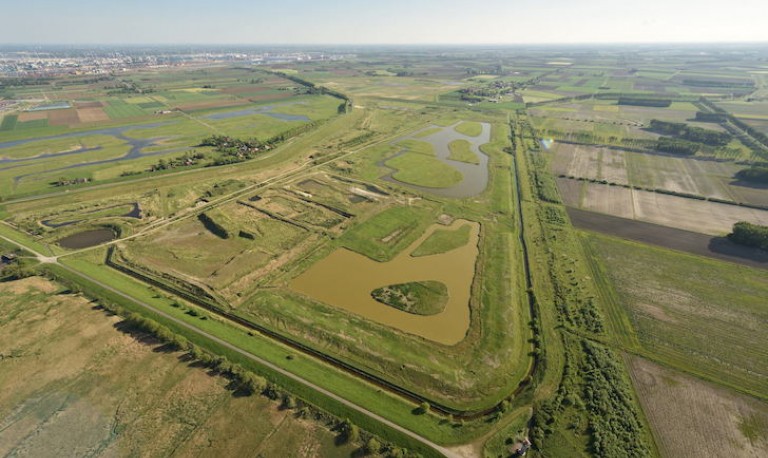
column 260, row 22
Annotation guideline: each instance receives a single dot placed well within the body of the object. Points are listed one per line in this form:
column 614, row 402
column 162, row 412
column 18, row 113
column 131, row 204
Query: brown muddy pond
column 345, row 279
column 87, row 239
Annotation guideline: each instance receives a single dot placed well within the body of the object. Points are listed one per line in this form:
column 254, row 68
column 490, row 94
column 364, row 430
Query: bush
column 749, row 234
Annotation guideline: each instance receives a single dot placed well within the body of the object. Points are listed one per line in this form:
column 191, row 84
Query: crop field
column 690, row 418
column 693, row 176
column 708, row 325
column 694, row 215
column 99, row 391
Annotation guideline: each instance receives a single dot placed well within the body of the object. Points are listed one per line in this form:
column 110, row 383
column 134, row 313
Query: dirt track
column 677, row 239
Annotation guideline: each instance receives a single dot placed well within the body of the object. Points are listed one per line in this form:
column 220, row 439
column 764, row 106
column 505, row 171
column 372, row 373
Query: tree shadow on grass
column 755, row 256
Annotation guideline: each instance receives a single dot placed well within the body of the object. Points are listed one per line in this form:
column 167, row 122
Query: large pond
column 345, row 279
column 87, row 239
column 475, row 176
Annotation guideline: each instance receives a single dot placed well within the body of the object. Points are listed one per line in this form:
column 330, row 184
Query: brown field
column 33, row 116
column 73, row 385
column 667, row 237
column 66, row 117
column 682, row 213
column 94, row 114
column 89, row 104
column 686, row 175
column 692, row 418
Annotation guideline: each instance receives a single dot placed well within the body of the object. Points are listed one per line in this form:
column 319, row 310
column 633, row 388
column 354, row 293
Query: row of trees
column 690, row 133
column 676, row 146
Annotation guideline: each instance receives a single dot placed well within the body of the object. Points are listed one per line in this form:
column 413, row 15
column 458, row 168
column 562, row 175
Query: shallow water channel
column 475, row 176
column 345, row 279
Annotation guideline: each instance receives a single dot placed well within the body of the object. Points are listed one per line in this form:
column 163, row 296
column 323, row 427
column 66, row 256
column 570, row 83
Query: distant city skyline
column 393, row 22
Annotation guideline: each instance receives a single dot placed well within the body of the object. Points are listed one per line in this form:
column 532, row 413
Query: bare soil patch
column 64, row 117
column 33, row 116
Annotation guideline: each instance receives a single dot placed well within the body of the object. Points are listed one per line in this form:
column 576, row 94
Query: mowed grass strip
column 709, row 324
column 419, row 297
column 460, row 151
column 470, row 129
column 442, row 241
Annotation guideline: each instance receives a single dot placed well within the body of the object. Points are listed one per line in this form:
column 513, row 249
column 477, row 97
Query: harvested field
column 692, row 418
column 66, row 117
column 695, row 215
column 33, row 116
column 95, row 114
column 702, row 316
column 667, row 237
column 695, row 176
column 96, row 388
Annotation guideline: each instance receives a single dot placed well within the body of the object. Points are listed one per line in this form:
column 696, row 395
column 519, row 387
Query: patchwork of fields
column 397, row 230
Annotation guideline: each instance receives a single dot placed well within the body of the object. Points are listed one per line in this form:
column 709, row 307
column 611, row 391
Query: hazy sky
column 381, row 22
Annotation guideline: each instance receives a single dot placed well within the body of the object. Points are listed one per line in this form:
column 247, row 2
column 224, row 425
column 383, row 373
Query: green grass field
column 707, row 325
column 470, row 129
column 443, row 240
column 460, row 151
column 385, row 235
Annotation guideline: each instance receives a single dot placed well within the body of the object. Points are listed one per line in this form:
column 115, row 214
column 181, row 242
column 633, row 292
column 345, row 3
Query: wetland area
column 346, row 279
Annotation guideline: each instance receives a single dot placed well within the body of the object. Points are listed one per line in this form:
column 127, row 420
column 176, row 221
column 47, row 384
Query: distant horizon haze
column 395, row 23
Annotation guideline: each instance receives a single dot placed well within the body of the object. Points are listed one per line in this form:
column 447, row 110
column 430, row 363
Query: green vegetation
column 748, row 234
column 443, row 240
column 460, row 151
column 470, row 129
column 645, row 102
column 754, row 174
column 706, row 325
column 9, row 122
column 691, row 134
column 427, row 132
column 419, row 298
column 422, row 170
column 677, row 146
column 385, row 235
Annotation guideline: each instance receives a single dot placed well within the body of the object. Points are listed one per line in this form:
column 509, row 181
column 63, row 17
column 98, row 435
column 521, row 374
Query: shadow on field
column 749, row 184
column 724, row 246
